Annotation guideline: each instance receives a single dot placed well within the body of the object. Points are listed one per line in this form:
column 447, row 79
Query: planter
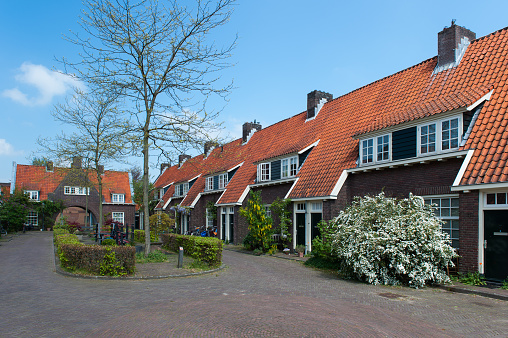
column 300, row 254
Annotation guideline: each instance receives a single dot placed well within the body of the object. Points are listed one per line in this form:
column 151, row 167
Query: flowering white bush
column 384, row 240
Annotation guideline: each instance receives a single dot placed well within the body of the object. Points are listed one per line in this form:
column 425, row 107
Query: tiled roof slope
column 408, row 95
column 6, row 188
column 31, row 177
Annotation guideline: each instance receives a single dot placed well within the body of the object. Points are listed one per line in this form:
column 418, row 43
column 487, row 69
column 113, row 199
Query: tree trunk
column 99, row 183
column 146, row 208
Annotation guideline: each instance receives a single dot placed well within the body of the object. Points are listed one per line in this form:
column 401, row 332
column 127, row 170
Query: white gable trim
column 463, row 168
column 307, row 148
column 340, row 183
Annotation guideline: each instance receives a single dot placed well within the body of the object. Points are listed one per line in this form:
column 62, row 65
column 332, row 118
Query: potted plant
column 301, row 250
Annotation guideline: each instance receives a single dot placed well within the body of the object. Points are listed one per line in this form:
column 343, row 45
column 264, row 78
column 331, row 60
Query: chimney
column 451, row 45
column 164, row 166
column 182, row 158
column 49, row 166
column 76, row 162
column 248, row 128
column 315, row 101
column 209, row 145
column 100, row 169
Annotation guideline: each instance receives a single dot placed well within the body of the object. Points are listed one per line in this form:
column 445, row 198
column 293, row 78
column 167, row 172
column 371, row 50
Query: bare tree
column 100, row 135
column 160, row 55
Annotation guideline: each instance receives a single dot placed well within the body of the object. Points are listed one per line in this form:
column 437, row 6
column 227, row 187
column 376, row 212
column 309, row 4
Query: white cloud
column 7, row 149
column 47, row 83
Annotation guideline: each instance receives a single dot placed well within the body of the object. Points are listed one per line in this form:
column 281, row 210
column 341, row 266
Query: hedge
column 139, row 236
column 95, row 259
column 204, row 249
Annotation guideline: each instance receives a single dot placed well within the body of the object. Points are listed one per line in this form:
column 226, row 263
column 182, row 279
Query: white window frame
column 448, row 217
column 264, row 170
column 68, row 190
column 439, row 139
column 223, row 181
column 497, row 200
column 300, row 207
column 209, row 183
column 32, row 194
column 118, row 198
column 118, row 216
column 369, row 149
column 209, row 218
column 33, row 218
column 316, row 207
column 268, row 211
column 289, row 167
column 185, row 188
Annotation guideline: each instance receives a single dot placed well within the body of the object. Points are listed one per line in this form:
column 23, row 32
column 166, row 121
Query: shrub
column 139, row 236
column 472, row 278
column 260, row 225
column 110, row 266
column 156, row 256
column 383, row 240
column 205, row 249
column 322, row 245
column 108, row 241
column 160, row 224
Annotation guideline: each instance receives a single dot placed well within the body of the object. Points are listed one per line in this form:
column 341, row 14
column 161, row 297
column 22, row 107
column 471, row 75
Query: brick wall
column 468, row 231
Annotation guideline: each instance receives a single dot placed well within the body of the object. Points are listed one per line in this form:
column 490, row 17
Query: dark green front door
column 223, row 227
column 231, row 228
column 300, row 229
column 314, row 221
column 496, row 244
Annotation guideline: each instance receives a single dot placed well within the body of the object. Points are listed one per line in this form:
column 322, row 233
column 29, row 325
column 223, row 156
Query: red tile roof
column 408, row 95
column 31, row 177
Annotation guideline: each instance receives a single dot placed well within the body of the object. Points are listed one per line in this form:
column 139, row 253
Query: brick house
column 69, row 185
column 437, row 129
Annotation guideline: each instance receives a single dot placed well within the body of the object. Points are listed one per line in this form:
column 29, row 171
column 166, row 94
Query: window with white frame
column 447, row 209
column 32, row 194
column 439, row 136
column 223, row 181
column 209, row 218
column 268, row 211
column 118, row 217
column 300, row 207
column 209, row 183
column 76, row 190
column 316, row 207
column 33, row 218
column 264, row 172
column 497, row 199
column 376, row 149
column 118, row 198
column 289, row 167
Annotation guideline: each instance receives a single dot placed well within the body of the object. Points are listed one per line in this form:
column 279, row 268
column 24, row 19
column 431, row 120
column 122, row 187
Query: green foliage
column 384, row 240
column 472, row 278
column 75, row 256
column 14, row 210
column 260, row 226
column 153, row 257
column 282, row 208
column 210, row 206
column 505, row 284
column 160, row 223
column 322, row 246
column 320, row 262
column 110, row 266
column 205, row 249
column 47, row 210
column 139, row 236
column 108, row 241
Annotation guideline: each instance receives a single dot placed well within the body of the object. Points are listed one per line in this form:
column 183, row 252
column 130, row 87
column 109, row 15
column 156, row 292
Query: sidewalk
column 484, row 291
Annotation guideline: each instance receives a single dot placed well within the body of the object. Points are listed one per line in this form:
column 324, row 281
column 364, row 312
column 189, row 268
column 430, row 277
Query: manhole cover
column 391, row 295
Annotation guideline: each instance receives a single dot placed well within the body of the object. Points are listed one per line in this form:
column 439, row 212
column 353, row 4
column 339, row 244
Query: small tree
column 14, row 210
column 388, row 241
column 260, row 225
column 47, row 210
column 161, row 223
column 282, row 208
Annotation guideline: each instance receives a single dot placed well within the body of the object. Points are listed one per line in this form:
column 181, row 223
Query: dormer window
column 76, row 190
column 223, row 181
column 439, row 136
column 182, row 189
column 209, row 183
column 289, row 167
column 376, row 149
column 32, row 195
column 118, row 198
column 264, row 172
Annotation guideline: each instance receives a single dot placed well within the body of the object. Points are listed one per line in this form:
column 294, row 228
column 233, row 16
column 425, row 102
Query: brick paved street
column 253, row 296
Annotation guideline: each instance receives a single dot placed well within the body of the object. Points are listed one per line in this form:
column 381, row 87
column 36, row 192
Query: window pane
column 445, row 202
column 491, row 198
column 501, row 198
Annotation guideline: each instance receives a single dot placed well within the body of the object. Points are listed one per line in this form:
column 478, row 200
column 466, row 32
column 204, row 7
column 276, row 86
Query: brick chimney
column 49, row 166
column 182, row 158
column 76, row 162
column 452, row 43
column 209, row 146
column 164, row 166
column 315, row 101
column 248, row 128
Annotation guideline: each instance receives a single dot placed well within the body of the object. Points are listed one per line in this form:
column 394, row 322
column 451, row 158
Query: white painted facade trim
column 307, row 148
column 244, row 194
column 502, row 185
column 340, row 183
column 485, row 97
column 167, row 203
column 291, row 189
column 463, row 168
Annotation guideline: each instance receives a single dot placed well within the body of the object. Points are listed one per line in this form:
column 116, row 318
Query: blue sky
column 285, row 50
